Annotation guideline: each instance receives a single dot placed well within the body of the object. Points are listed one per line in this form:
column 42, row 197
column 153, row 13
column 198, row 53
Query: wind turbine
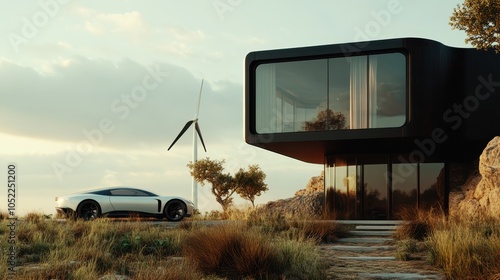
column 196, row 129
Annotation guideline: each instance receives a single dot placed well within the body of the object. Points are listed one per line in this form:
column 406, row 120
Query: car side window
column 127, row 192
column 122, row 192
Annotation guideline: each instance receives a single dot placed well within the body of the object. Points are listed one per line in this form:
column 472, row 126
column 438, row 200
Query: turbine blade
column 197, row 127
column 188, row 124
column 199, row 101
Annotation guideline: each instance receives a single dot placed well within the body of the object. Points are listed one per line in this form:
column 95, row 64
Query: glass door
column 341, row 183
column 375, row 203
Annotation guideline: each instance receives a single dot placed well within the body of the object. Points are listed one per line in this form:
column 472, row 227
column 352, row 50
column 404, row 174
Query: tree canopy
column 480, row 19
column 326, row 120
column 248, row 184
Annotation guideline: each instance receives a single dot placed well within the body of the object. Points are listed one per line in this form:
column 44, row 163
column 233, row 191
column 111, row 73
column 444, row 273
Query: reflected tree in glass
column 326, row 120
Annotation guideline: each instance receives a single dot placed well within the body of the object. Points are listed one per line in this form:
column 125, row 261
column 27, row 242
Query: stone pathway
column 370, row 253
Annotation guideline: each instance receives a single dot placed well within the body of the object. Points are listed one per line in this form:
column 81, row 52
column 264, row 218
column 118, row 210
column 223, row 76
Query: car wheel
column 88, row 210
column 175, row 210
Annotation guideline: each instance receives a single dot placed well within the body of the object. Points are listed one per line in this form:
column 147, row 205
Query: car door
column 133, row 200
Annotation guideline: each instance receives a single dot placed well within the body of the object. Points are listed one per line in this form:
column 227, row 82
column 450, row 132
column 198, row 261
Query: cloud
column 179, row 41
column 181, row 34
column 106, row 101
column 130, row 25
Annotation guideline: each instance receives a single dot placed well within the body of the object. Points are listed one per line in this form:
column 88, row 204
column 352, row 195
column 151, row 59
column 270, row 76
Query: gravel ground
column 350, row 269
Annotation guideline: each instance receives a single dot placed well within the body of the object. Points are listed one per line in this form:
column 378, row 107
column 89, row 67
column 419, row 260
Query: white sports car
column 122, row 202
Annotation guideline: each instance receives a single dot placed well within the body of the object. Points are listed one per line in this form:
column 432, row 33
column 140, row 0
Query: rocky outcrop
column 480, row 195
column 300, row 206
column 314, row 185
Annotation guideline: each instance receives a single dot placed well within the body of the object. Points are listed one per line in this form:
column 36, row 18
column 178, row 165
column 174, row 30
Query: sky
column 92, row 93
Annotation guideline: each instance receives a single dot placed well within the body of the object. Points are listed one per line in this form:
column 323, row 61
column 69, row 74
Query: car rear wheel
column 88, row 210
column 175, row 210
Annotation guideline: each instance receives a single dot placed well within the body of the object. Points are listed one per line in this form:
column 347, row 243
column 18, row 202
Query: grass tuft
column 237, row 251
column 419, row 224
column 466, row 249
column 229, row 252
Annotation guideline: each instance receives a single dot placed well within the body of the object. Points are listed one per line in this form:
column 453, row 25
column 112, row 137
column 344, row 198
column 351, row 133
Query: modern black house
column 388, row 119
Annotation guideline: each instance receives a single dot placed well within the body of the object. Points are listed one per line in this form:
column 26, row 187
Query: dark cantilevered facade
column 388, row 118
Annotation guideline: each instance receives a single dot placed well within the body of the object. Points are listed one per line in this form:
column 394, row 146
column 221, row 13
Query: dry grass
column 48, row 249
column 238, row 252
column 4, row 215
column 295, row 229
column 464, row 248
column 51, row 249
column 467, row 249
column 419, row 224
column 231, row 251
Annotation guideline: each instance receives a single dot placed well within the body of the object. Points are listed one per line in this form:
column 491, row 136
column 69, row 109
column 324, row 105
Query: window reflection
column 375, row 188
column 404, row 186
column 432, row 182
column 330, row 94
column 341, row 183
column 360, row 191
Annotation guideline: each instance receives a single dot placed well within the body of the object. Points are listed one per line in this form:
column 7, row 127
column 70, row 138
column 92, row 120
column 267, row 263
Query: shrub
column 466, row 249
column 320, row 231
column 4, row 215
column 405, row 248
column 34, row 217
column 419, row 224
column 230, row 252
column 298, row 260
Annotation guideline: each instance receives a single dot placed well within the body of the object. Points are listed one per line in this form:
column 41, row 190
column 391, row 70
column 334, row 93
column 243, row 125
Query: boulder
column 481, row 193
column 314, row 185
column 307, row 206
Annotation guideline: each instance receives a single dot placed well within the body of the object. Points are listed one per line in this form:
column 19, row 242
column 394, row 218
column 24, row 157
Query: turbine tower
column 196, row 130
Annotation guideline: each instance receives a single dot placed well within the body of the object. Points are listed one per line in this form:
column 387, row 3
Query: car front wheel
column 175, row 210
column 88, row 210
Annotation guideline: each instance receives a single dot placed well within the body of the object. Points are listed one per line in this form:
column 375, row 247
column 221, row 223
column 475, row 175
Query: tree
column 247, row 184
column 211, row 171
column 326, row 120
column 250, row 183
column 481, row 22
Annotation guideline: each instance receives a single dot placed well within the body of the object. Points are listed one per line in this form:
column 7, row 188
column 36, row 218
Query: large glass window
column 355, row 92
column 432, row 182
column 375, row 191
column 404, row 187
column 341, row 182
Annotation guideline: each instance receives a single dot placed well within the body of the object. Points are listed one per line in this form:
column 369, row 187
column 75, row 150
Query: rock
column 482, row 190
column 315, row 184
column 300, row 206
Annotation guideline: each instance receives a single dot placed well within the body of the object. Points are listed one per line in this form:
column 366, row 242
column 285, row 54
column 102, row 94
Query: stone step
column 376, row 227
column 353, row 248
column 398, row 276
column 370, row 222
column 370, row 233
column 368, row 258
column 373, row 240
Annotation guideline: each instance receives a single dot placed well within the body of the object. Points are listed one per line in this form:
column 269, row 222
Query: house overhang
column 440, row 81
